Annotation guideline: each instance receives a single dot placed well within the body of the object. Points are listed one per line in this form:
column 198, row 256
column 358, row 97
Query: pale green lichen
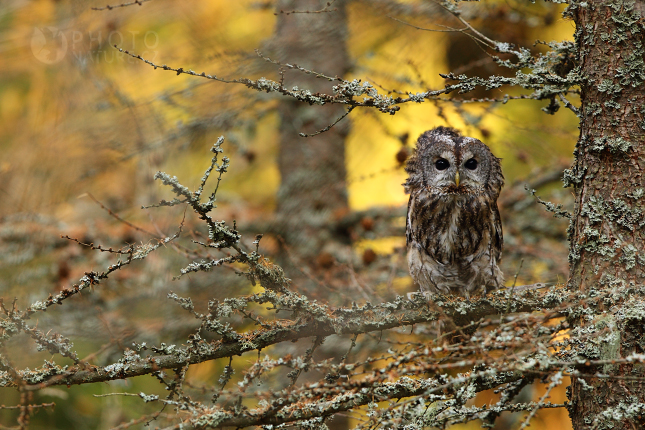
column 608, row 86
column 627, row 215
column 622, row 412
column 598, row 243
column 572, row 177
column 628, row 257
column 636, row 194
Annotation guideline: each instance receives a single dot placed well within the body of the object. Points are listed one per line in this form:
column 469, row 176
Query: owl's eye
column 471, row 164
column 441, row 164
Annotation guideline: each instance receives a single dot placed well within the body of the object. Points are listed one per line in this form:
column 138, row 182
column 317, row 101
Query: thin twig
column 349, row 110
column 110, row 7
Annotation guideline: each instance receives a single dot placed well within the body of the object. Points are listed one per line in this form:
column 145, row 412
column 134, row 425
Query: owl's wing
column 497, row 237
column 408, row 223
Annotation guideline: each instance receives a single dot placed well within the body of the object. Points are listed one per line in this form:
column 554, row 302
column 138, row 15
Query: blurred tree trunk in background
column 312, row 189
column 608, row 235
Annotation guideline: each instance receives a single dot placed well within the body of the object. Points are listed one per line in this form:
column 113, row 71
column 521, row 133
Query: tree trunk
column 608, row 228
column 312, row 190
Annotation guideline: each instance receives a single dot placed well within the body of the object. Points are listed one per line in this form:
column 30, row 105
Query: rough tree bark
column 608, row 228
column 312, row 190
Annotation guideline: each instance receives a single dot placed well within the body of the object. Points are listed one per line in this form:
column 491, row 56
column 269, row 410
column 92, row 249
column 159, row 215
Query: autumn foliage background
column 96, row 125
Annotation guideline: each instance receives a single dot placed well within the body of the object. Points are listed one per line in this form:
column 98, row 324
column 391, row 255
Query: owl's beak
column 457, row 179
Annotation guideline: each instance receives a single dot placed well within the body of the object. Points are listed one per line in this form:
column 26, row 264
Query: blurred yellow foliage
column 95, row 120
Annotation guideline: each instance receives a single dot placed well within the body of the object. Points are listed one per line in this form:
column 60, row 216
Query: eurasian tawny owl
column 453, row 229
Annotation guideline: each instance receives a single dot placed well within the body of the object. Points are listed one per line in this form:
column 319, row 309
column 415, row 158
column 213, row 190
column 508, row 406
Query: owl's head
column 446, row 162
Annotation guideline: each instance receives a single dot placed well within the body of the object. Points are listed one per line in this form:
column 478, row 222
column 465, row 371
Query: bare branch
column 110, row 7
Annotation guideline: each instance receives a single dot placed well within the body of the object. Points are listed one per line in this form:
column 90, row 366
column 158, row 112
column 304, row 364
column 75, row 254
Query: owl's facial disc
column 443, row 171
column 469, row 170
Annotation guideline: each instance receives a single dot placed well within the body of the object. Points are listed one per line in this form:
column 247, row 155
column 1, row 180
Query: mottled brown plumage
column 453, row 228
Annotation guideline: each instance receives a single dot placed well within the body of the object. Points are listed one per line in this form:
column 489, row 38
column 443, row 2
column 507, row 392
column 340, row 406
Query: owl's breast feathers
column 454, row 227
column 454, row 241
